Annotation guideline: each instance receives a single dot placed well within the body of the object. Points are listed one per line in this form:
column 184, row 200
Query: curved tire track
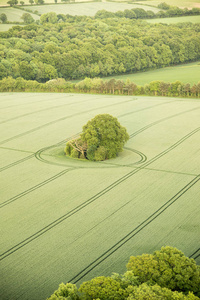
column 40, row 110
column 94, row 198
column 39, row 185
column 133, row 232
column 38, row 153
column 58, row 120
column 143, row 158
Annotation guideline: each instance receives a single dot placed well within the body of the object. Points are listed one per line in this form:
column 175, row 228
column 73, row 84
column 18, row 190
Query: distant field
column 14, row 14
column 4, row 2
column 70, row 220
column 193, row 19
column 88, row 9
column 179, row 3
column 187, row 73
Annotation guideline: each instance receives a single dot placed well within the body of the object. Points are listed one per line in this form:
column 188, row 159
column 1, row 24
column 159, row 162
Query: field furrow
column 64, row 219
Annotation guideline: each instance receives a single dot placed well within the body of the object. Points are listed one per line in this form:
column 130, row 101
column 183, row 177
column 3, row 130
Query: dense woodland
column 77, row 47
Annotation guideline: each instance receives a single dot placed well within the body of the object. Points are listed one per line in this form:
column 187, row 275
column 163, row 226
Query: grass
column 88, row 9
column 14, row 14
column 64, row 219
column 5, row 27
column 193, row 19
column 186, row 73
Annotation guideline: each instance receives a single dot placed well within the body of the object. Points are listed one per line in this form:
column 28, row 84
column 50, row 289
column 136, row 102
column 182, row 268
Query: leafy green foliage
column 102, row 138
column 100, row 153
column 3, row 18
column 104, row 288
column 156, row 292
column 150, row 268
column 77, row 47
column 66, row 291
column 12, row 2
column 169, row 268
column 174, row 89
column 91, row 152
column 104, row 130
column 27, row 18
column 50, row 17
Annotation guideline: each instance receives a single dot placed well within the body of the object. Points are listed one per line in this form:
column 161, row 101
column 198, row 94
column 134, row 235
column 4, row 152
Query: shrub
column 91, row 152
column 100, row 153
column 74, row 153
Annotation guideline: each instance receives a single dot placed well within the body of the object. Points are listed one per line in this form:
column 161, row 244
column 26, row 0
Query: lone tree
column 3, row 18
column 102, row 138
column 27, row 18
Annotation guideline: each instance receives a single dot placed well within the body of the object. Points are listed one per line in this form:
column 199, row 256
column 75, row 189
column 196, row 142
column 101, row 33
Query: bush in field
column 65, row 291
column 102, row 138
column 155, row 292
column 127, row 286
column 168, row 268
column 3, row 18
column 27, row 18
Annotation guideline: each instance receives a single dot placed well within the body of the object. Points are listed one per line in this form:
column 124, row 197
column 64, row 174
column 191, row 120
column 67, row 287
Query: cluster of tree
column 74, row 47
column 140, row 13
column 102, row 138
column 97, row 85
column 166, row 274
column 15, row 2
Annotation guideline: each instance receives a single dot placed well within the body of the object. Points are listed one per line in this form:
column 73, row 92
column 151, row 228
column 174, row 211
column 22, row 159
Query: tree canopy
column 166, row 274
column 169, row 268
column 74, row 47
column 102, row 138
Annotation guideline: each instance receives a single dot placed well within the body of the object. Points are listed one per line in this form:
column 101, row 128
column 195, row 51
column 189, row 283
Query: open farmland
column 70, row 220
column 14, row 14
column 186, row 73
column 26, row 2
column 88, row 9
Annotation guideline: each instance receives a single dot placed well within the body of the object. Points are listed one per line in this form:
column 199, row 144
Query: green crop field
column 88, row 9
column 64, row 219
column 5, row 27
column 14, row 14
column 187, row 73
column 193, row 19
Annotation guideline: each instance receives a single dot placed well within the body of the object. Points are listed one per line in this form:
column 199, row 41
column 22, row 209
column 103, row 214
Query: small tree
column 31, row 1
column 27, row 18
column 22, row 2
column 12, row 2
column 50, row 17
column 3, row 18
column 168, row 268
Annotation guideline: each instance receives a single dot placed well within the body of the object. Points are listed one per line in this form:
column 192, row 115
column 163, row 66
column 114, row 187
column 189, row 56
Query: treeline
column 166, row 274
column 140, row 13
column 97, row 85
column 75, row 47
